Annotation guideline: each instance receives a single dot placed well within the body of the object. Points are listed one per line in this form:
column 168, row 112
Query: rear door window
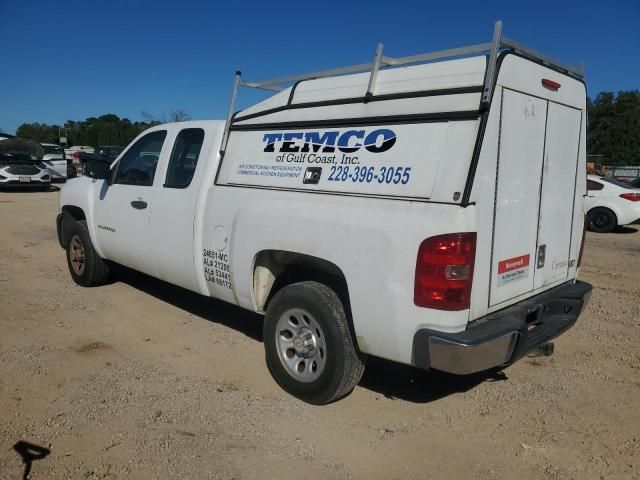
column 184, row 158
column 593, row 185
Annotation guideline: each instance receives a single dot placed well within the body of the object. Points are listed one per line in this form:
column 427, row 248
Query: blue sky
column 67, row 60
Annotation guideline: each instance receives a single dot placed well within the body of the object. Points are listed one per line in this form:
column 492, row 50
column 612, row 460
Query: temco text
column 375, row 141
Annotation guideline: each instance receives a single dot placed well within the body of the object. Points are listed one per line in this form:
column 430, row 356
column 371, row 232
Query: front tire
column 85, row 265
column 602, row 220
column 309, row 348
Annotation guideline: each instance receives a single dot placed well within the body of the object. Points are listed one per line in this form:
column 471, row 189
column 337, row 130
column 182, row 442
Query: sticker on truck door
column 391, row 160
column 513, row 269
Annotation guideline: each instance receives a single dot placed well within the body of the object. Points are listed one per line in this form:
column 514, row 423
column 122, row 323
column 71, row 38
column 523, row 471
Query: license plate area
column 24, row 179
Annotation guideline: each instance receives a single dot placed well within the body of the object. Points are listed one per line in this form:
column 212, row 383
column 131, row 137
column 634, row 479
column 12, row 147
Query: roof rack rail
column 493, row 48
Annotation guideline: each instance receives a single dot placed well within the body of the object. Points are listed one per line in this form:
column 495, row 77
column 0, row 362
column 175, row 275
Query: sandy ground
column 140, row 379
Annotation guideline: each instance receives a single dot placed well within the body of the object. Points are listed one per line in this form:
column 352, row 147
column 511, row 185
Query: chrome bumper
column 505, row 336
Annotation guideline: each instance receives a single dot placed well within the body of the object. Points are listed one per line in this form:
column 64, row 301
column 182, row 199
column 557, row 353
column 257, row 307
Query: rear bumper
column 503, row 337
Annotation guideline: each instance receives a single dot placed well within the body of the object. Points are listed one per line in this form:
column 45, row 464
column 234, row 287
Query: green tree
column 108, row 129
column 614, row 127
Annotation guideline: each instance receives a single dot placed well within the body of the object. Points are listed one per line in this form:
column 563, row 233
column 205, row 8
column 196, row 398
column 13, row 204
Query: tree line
column 106, row 129
column 613, row 130
column 614, row 127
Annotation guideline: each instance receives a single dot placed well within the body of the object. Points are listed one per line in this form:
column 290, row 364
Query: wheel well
column 275, row 269
column 70, row 213
column 75, row 212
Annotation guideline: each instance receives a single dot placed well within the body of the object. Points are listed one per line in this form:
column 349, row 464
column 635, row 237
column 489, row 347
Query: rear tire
column 602, row 220
column 309, row 348
column 85, row 265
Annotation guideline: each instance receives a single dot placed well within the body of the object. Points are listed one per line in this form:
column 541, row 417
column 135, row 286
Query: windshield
column 15, row 158
column 617, row 183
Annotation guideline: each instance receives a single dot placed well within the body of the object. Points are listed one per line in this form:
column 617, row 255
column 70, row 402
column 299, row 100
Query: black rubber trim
column 378, row 120
column 536, row 320
column 477, row 149
column 485, row 115
column 293, row 90
column 363, row 99
column 59, row 229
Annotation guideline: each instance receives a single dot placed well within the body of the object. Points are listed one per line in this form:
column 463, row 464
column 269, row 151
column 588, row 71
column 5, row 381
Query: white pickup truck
column 427, row 213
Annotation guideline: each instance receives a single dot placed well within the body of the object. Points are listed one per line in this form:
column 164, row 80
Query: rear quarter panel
column 373, row 241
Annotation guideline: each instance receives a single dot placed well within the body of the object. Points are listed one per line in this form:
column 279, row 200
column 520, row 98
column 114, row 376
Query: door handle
column 542, row 250
column 139, row 204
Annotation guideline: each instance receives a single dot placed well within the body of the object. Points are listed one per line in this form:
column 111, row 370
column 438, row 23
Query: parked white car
column 610, row 203
column 55, row 160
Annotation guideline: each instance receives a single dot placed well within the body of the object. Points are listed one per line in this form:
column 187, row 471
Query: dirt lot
column 139, row 379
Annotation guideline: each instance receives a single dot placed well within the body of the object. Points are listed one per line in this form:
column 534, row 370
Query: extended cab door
column 121, row 208
column 174, row 207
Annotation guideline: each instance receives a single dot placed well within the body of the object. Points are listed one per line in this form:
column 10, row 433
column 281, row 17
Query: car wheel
column 602, row 220
column 309, row 348
column 85, row 265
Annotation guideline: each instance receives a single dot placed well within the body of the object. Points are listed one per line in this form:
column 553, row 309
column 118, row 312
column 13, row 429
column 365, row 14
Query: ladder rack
column 493, row 48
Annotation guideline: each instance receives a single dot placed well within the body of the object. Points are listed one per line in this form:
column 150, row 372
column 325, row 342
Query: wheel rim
column 76, row 255
column 601, row 220
column 301, row 345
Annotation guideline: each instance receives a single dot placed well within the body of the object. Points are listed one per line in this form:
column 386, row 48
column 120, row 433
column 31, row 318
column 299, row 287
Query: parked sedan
column 610, row 203
column 54, row 159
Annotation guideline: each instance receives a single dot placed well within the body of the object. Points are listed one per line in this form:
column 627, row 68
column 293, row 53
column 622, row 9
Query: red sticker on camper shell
column 513, row 269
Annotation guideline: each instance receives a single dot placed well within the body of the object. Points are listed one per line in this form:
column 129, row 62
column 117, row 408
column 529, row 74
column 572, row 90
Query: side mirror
column 97, row 169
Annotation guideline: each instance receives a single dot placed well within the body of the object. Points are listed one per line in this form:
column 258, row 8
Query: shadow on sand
column 390, row 379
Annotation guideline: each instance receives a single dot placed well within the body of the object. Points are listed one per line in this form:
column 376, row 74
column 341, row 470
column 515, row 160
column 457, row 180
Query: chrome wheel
column 77, row 255
column 301, row 346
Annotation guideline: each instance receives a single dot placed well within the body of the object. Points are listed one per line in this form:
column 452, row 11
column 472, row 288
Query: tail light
column 444, row 271
column 584, row 235
column 634, row 197
column 76, row 155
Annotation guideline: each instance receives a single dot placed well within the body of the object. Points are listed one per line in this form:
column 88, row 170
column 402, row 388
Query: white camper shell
column 427, row 213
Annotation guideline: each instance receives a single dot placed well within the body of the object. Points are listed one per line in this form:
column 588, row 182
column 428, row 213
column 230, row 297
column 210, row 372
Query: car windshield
column 617, row 183
column 52, row 149
column 15, row 158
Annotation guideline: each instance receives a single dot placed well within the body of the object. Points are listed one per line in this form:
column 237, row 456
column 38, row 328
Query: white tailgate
column 522, row 131
column 558, row 185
